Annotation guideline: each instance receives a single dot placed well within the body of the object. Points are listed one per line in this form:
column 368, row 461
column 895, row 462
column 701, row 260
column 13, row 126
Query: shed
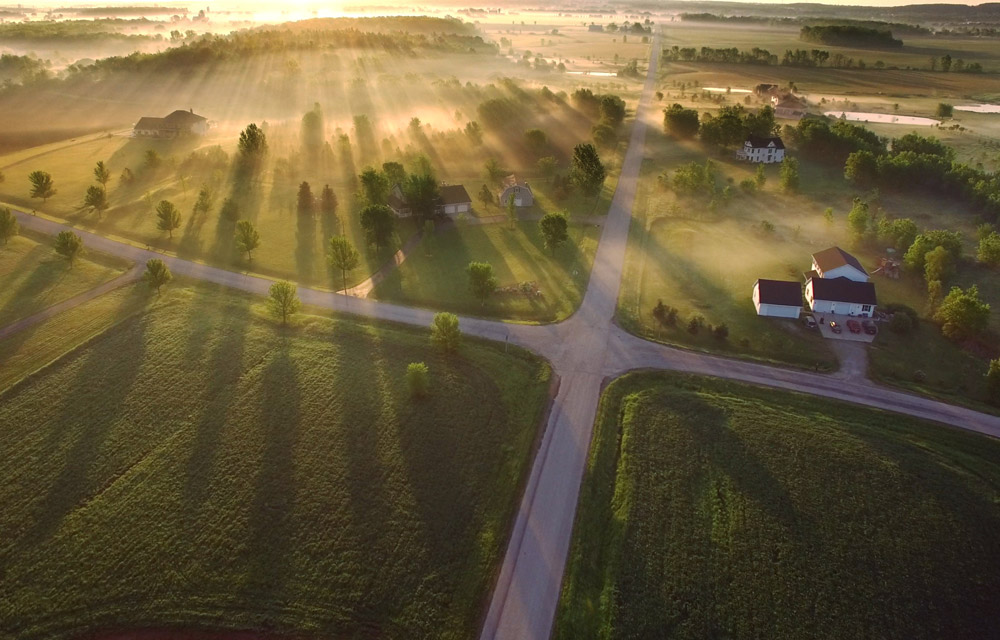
column 777, row 298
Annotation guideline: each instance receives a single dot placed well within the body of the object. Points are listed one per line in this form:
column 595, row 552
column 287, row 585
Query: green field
column 33, row 276
column 712, row 509
column 436, row 277
column 199, row 466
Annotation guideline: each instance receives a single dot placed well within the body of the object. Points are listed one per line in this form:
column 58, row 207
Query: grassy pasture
column 716, row 509
column 33, row 277
column 198, row 466
column 437, row 277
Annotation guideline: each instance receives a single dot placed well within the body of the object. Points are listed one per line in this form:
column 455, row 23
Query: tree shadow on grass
column 305, row 247
column 45, row 275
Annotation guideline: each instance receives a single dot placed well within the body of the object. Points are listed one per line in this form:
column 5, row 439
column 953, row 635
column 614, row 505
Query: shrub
column 417, row 379
column 721, row 332
column 901, row 323
column 445, row 332
column 919, row 376
column 695, row 324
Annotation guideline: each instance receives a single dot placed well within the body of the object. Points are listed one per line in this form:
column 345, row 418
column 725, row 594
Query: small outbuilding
column 455, row 199
column 841, row 296
column 777, row 298
column 514, row 187
column 836, row 263
column 762, row 150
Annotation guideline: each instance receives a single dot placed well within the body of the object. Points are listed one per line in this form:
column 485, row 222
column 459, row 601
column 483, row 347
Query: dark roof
column 835, row 257
column 150, row 123
column 843, row 290
column 780, row 292
column 761, row 142
column 184, row 118
column 454, row 194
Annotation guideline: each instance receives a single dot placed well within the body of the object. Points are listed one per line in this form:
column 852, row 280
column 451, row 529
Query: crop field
column 436, row 275
column 201, row 465
column 716, row 509
column 33, row 277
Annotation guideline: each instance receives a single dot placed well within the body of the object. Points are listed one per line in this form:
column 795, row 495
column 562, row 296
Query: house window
column 866, row 308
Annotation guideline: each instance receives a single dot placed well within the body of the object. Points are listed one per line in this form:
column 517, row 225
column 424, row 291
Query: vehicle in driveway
column 809, row 321
column 870, row 327
column 834, row 327
column 854, row 326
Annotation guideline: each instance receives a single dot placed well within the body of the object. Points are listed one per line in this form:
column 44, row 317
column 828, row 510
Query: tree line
column 849, row 36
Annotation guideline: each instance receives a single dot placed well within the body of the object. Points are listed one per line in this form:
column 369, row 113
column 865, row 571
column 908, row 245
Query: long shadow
column 42, row 278
column 92, row 406
column 305, row 246
column 271, row 513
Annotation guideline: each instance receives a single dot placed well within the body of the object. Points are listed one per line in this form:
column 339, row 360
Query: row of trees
column 729, row 127
column 790, row 58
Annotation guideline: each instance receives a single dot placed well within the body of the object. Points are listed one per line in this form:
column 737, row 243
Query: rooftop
column 843, row 290
column 781, row 292
column 763, row 142
column 834, row 258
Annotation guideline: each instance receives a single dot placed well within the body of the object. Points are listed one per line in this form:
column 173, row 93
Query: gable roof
column 790, row 102
column 147, row 123
column 182, row 118
column 835, row 257
column 763, row 142
column 843, row 290
column 780, row 292
column 454, row 194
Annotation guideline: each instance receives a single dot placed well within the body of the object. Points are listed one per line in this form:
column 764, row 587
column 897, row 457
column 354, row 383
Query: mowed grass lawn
column 712, row 509
column 436, row 277
column 198, row 466
column 33, row 276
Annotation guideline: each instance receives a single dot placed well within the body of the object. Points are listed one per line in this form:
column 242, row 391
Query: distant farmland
column 719, row 510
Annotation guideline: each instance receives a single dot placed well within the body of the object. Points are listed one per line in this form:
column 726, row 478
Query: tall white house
column 762, row 150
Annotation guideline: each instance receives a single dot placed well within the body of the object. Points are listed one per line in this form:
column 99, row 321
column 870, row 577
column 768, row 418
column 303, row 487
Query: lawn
column 199, row 466
column 435, row 276
column 33, row 276
column 712, row 509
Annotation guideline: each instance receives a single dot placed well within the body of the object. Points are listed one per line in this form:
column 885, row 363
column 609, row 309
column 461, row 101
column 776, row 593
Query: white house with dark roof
column 841, row 296
column 836, row 263
column 177, row 124
column 514, row 187
column 453, row 199
column 762, row 150
column 777, row 298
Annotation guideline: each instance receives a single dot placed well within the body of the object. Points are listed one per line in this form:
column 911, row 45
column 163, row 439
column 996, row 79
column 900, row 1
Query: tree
column 989, row 249
column 422, row 195
column 946, row 63
column 536, row 140
column 493, row 171
column 934, row 290
column 69, row 245
column 861, row 168
column 328, row 202
column 680, row 122
column 789, row 174
column 8, row 224
column 612, row 109
column 547, row 166
column 937, row 264
column 379, row 224
column 157, row 274
column 283, row 299
column 475, row 132
column 962, row 314
column 343, row 256
column 554, row 230
column 417, row 379
column 229, row 209
column 604, row 135
column 305, row 203
column 510, row 207
column 312, row 131
column 203, row 204
column 944, row 110
column 394, row 172
column 247, row 238
column 96, row 199
column 924, row 242
column 486, row 196
column 42, row 185
column 101, row 173
column 168, row 218
column 375, row 186
column 253, row 143
column 858, row 218
column 482, row 282
column 445, row 332
column 587, row 171
column 760, row 177
column 993, row 381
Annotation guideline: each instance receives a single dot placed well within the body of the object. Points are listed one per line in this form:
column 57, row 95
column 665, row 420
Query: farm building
column 789, row 107
column 835, row 263
column 759, row 149
column 514, row 187
column 842, row 296
column 596, row 28
column 176, row 125
column 766, row 89
column 777, row 298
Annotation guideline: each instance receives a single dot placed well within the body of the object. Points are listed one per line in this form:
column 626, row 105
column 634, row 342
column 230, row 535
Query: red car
column 854, row 326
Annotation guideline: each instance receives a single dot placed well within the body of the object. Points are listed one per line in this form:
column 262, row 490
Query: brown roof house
column 176, row 125
column 835, row 263
column 789, row 107
column 514, row 187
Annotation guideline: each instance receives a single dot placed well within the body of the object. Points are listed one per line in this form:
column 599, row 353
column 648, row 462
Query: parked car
column 809, row 321
column 854, row 326
column 870, row 327
column 835, row 327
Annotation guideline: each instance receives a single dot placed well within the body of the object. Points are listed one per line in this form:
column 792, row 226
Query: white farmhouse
column 766, row 150
column 836, row 263
column 777, row 298
column 841, row 296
